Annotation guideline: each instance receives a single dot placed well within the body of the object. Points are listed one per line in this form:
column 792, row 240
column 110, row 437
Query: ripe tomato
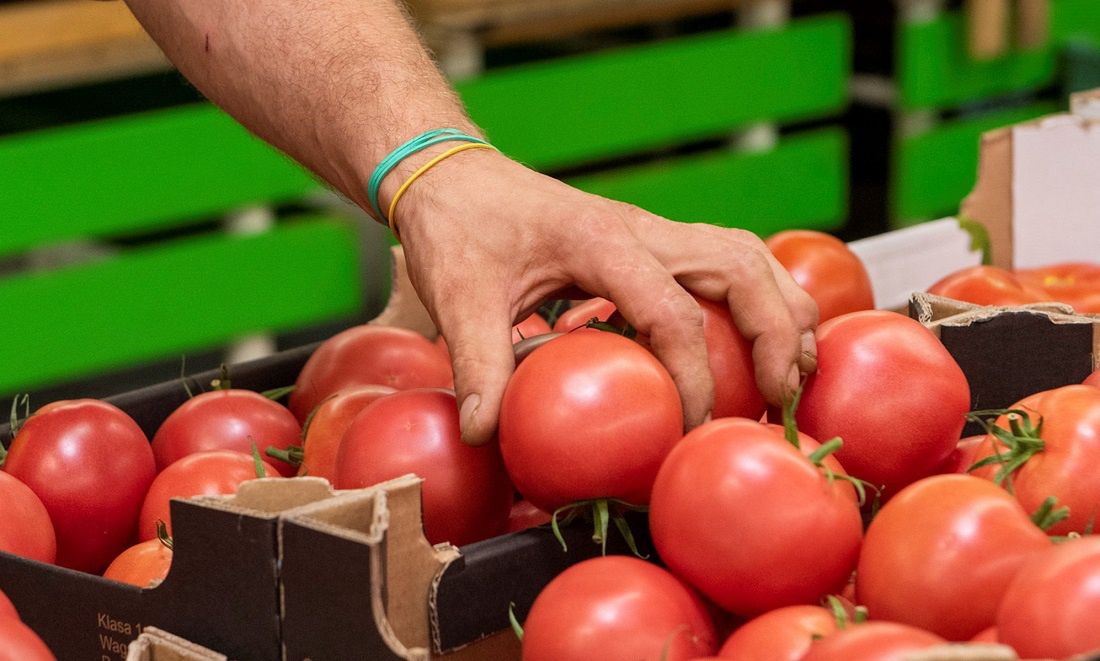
column 466, row 492
column 963, row 456
column 873, row 641
column 588, row 415
column 210, row 473
column 1050, row 609
column 1065, row 466
column 784, row 634
column 988, row 285
column 326, row 426
column 581, row 312
column 826, row 268
column 617, row 608
column 889, row 388
column 988, row 635
column 226, row 420
column 7, row 609
column 1093, row 379
column 1077, row 284
column 524, row 515
column 19, row 643
column 91, row 465
column 369, row 355
column 733, row 508
column 25, row 527
column 144, row 564
column 730, row 358
column 943, row 542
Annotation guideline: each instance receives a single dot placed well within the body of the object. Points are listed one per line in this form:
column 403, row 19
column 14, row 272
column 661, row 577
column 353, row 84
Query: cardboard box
column 1010, row 353
column 156, row 645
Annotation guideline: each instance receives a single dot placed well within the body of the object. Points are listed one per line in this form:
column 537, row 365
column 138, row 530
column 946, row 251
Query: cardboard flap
column 405, row 309
column 967, row 652
column 937, row 311
column 269, row 495
column 156, row 645
column 384, row 524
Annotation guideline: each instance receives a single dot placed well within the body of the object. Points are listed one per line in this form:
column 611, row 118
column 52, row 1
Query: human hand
column 488, row 240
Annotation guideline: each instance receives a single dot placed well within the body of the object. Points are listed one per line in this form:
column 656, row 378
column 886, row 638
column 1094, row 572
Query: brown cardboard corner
column 269, row 497
column 156, row 645
column 384, row 521
column 405, row 308
column 990, row 203
column 964, row 652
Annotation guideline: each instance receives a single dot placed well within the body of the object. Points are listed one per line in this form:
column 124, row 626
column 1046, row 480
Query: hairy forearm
column 336, row 84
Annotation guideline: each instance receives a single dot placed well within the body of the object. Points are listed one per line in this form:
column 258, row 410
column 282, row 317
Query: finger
column 655, row 304
column 483, row 360
column 804, row 311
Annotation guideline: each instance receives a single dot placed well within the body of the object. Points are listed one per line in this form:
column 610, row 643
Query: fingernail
column 807, row 361
column 468, row 413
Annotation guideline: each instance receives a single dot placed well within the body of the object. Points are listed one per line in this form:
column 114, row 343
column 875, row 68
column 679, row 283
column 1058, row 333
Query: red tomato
column 1077, row 284
column 529, row 327
column 19, row 643
column 889, row 388
column 326, row 426
column 226, row 420
column 91, row 465
column 588, row 415
column 730, row 358
column 617, row 608
column 7, row 609
column 524, row 515
column 212, row 473
column 25, row 527
column 369, row 355
column 988, row 635
column 873, row 641
column 784, row 634
column 1065, row 467
column 1050, row 609
column 988, row 285
column 581, row 312
column 734, row 507
column 945, row 541
column 1093, row 379
column 466, row 492
column 144, row 564
column 826, row 268
column 963, row 456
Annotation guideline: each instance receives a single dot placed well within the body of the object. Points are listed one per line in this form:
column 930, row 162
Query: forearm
column 336, row 84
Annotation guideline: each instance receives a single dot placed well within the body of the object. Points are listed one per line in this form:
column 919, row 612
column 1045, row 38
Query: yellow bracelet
column 421, row 170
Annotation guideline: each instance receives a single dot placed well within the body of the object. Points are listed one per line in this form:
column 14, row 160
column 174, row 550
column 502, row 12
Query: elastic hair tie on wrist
column 408, row 148
column 390, row 217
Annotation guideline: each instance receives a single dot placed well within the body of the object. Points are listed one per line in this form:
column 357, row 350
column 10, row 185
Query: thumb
column 483, row 360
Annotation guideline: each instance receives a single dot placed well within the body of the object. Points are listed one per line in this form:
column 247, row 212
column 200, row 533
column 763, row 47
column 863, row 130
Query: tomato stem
column 828, row 448
column 162, row 534
column 1047, row 516
column 979, row 238
column 626, row 330
column 257, row 460
column 1022, row 440
column 602, row 515
column 555, row 311
column 222, row 382
column 790, row 425
column 293, row 454
column 275, row 394
column 517, row 628
column 183, row 378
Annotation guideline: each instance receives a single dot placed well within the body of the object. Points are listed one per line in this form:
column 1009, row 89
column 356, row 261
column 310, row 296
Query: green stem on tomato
column 162, row 534
column 257, row 460
column 222, row 382
column 1012, row 447
column 517, row 628
column 292, row 454
column 275, row 394
column 625, row 330
column 790, row 425
column 1047, row 516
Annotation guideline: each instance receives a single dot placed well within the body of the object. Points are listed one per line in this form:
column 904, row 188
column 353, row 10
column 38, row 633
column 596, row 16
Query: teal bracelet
column 419, row 143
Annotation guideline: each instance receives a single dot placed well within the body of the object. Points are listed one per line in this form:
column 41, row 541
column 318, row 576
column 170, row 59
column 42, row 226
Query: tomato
column 942, row 542
column 988, row 285
column 988, row 635
column 1077, row 284
column 826, row 268
column 7, row 609
column 19, row 643
column 144, row 564
column 583, row 311
column 533, row 326
column 1093, row 379
column 466, row 492
column 369, row 355
column 733, row 509
column 226, row 420
column 1065, row 466
column 524, row 515
column 617, row 608
column 889, row 388
column 873, row 641
column 588, row 415
column 730, row 358
column 25, row 527
column 784, row 634
column 211, row 473
column 963, row 456
column 1050, row 609
column 326, row 426
column 90, row 464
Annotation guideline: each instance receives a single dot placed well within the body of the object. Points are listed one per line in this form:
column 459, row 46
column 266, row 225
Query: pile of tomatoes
column 851, row 523
column 1076, row 284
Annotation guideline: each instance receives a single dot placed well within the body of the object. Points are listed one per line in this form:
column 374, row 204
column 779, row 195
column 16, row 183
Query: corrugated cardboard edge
column 964, row 652
column 405, row 309
column 156, row 645
column 400, row 596
column 935, row 312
